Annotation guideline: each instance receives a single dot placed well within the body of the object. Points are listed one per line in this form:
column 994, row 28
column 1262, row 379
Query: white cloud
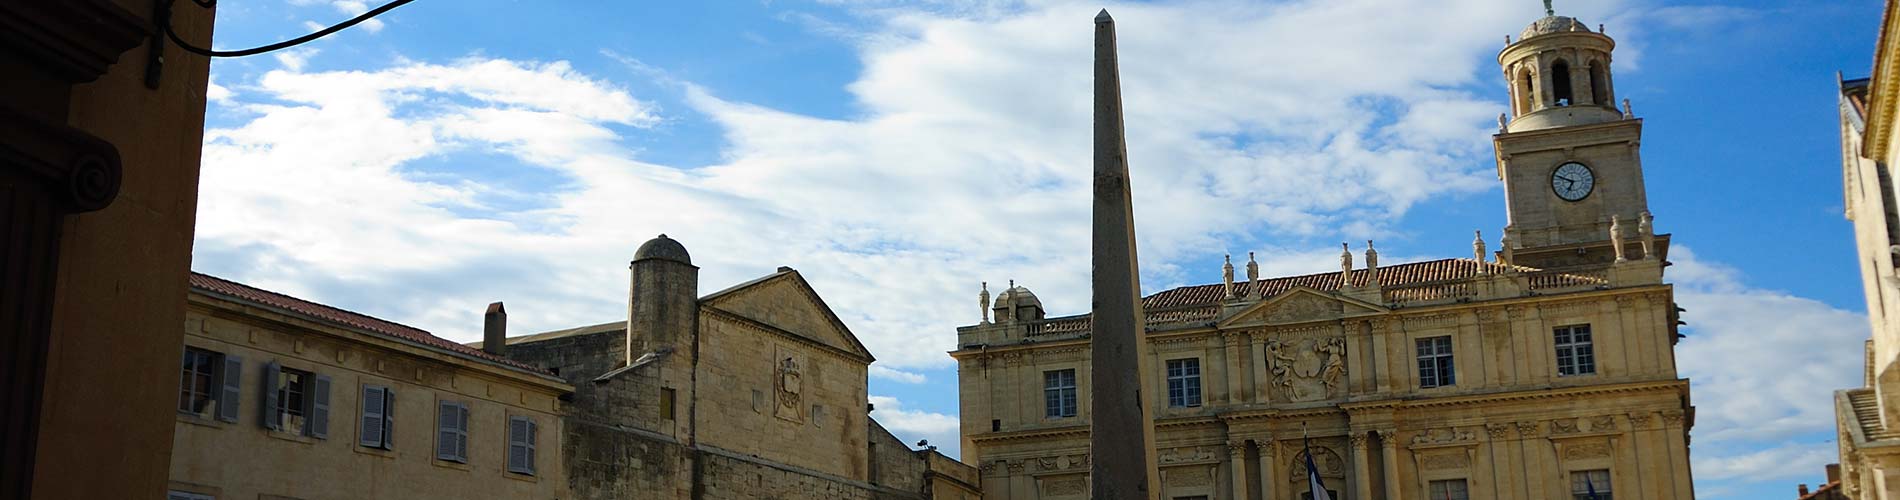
column 911, row 426
column 295, row 58
column 896, row 375
column 1764, row 365
column 216, row 93
column 967, row 161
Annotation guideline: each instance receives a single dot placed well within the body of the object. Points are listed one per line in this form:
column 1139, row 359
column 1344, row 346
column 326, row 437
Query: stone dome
column 662, row 247
column 1553, row 24
column 1015, row 296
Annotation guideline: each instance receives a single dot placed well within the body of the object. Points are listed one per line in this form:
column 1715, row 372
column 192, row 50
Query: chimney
column 1801, row 489
column 1833, row 473
column 495, row 330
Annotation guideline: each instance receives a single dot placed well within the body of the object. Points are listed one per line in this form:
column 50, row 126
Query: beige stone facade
column 287, row 399
column 1539, row 371
column 1866, row 416
column 755, row 391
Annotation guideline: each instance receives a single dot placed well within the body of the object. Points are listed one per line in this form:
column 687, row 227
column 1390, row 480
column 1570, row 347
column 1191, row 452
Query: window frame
column 451, row 436
column 311, row 402
column 1574, row 357
column 525, row 441
column 211, row 364
column 1434, row 492
column 1437, row 368
column 385, row 419
column 1059, row 400
column 1190, row 388
column 1580, row 491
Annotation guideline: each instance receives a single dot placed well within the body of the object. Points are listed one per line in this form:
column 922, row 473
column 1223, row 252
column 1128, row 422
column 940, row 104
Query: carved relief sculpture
column 1333, row 375
column 1282, row 367
column 789, row 381
column 1603, row 423
column 1563, row 426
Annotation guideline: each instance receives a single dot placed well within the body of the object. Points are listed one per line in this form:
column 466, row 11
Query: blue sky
column 456, row 153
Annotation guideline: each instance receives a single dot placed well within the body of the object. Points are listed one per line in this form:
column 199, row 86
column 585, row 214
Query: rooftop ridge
column 213, row 284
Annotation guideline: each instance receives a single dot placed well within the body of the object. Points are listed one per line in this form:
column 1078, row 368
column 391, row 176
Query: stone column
column 1361, row 467
column 1678, row 453
column 1389, row 445
column 1237, row 465
column 1270, row 480
column 1259, row 361
column 1235, row 374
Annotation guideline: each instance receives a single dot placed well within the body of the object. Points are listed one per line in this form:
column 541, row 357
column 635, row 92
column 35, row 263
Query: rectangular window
column 295, row 401
column 1434, row 362
column 1184, row 382
column 1585, row 482
column 200, row 386
column 451, row 431
column 1058, row 393
column 666, row 403
column 1575, row 356
column 376, row 427
column 521, row 440
column 1449, row 489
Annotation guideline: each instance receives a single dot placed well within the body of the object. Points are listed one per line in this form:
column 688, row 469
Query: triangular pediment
column 785, row 301
column 1301, row 305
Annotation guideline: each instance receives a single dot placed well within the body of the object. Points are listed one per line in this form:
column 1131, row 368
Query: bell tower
column 1568, row 157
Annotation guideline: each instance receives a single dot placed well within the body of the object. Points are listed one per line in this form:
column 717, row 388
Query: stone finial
column 1372, row 257
column 1253, row 275
column 1507, row 40
column 1345, row 265
column 1627, row 113
column 1227, row 276
column 983, row 298
column 1616, row 238
column 1646, row 230
column 1477, row 250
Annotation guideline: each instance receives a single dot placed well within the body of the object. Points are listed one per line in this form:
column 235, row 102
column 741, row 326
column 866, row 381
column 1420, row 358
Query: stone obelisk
column 1121, row 434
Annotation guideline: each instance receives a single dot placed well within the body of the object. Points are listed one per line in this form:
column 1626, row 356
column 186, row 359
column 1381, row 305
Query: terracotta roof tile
column 1389, row 276
column 364, row 322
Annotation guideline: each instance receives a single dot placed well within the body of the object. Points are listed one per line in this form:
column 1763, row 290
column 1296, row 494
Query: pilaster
column 1237, row 467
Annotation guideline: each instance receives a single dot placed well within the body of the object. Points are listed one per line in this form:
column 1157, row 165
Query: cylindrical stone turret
column 1558, row 72
column 662, row 297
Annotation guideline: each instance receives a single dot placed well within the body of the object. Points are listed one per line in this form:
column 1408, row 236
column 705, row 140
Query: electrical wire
column 279, row 45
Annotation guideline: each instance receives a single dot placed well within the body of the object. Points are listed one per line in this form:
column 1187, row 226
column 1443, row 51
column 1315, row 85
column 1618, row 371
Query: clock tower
column 1568, row 157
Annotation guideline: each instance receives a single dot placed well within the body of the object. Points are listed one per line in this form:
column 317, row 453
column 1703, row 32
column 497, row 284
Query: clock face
column 1572, row 181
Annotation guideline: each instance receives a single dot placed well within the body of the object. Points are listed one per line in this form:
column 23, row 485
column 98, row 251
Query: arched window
column 1599, row 85
column 1560, row 84
column 1524, row 87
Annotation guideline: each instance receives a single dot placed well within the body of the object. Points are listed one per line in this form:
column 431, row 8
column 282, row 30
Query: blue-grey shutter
column 445, row 420
column 389, row 417
column 461, row 432
column 268, row 410
column 232, row 383
column 518, row 445
column 320, row 408
column 531, row 435
column 370, row 432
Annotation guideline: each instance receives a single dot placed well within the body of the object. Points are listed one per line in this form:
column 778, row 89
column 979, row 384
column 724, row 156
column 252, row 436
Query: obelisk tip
column 1103, row 17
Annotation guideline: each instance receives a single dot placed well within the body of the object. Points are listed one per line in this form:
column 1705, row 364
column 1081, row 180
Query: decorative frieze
column 1603, row 423
column 1441, row 436
column 1444, row 460
column 1498, row 431
column 1563, row 426
column 1528, row 430
column 1639, row 420
column 1186, row 454
column 1586, row 450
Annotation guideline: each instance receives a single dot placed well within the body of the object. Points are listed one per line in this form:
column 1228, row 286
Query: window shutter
column 371, row 432
column 445, row 420
column 517, row 445
column 389, row 417
column 461, row 432
column 320, row 408
column 268, row 410
column 228, row 397
column 529, row 465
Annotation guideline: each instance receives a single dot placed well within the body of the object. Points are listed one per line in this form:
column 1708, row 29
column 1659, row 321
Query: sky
column 451, row 154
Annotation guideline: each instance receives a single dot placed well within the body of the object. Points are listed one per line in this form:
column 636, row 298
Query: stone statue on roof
column 1616, row 238
column 1227, row 276
column 1253, row 274
column 1477, row 250
column 1345, row 265
column 983, row 298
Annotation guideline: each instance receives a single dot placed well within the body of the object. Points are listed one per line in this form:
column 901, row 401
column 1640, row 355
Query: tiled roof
column 1389, row 276
column 359, row 321
column 1201, row 302
column 1825, row 491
